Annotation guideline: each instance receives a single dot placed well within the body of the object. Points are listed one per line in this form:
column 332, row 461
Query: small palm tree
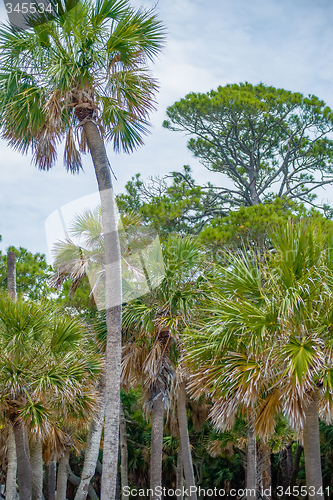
column 48, row 372
column 82, row 77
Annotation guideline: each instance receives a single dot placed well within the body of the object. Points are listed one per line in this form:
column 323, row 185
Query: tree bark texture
column 11, row 274
column 36, row 458
column 63, row 471
column 113, row 301
column 92, row 451
column 267, row 470
column 251, row 466
column 51, row 483
column 156, row 446
column 295, row 470
column 12, row 465
column 123, row 451
column 23, row 462
column 184, row 440
column 179, row 473
column 312, row 449
column 75, row 480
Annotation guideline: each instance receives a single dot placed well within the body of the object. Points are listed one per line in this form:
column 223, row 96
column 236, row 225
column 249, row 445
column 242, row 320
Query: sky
column 284, row 43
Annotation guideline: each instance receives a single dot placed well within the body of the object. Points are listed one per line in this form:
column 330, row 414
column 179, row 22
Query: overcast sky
column 285, row 43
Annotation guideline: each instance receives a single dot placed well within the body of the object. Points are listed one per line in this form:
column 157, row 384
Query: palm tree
column 82, row 255
column 47, row 370
column 152, row 326
column 269, row 342
column 82, row 76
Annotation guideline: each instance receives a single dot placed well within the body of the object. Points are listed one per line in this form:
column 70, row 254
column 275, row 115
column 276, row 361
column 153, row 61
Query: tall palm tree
column 82, row 76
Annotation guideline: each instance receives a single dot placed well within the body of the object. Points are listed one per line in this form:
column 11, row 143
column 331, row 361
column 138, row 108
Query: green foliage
column 267, row 141
column 32, row 273
column 176, row 207
column 253, row 226
column 48, row 367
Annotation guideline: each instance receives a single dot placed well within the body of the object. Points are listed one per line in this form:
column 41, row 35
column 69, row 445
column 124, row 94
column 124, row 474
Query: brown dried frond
column 54, row 444
column 199, row 383
column 267, row 409
column 45, row 149
column 199, row 413
column 216, row 448
column 224, row 411
column 72, row 157
column 52, row 109
column 133, row 357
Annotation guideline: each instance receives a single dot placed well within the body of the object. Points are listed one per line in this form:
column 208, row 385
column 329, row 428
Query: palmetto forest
column 181, row 343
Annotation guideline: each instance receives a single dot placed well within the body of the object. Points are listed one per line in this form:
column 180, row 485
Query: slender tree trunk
column 12, row 465
column 23, row 462
column 11, row 454
column 179, row 473
column 123, row 451
column 92, row 451
column 75, row 480
column 63, row 471
column 312, row 449
column 295, row 470
column 51, row 482
column 11, row 274
column 251, row 466
column 36, row 457
column 156, row 446
column 267, row 471
column 185, row 441
column 113, row 301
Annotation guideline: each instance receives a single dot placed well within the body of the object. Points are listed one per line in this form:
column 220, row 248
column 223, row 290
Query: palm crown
column 88, row 62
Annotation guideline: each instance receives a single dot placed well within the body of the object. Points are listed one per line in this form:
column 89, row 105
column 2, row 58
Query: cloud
column 210, row 43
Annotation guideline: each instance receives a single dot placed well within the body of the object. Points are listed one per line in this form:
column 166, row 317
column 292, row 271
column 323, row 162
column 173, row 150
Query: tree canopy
column 268, row 141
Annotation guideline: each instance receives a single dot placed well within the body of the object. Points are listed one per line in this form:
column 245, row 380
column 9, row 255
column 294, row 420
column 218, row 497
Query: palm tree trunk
column 23, row 462
column 92, row 451
column 11, row 274
column 251, row 467
column 295, row 471
column 12, row 465
column 63, row 471
column 36, row 457
column 123, row 451
column 113, row 301
column 185, row 441
column 267, row 470
column 51, row 482
column 312, row 449
column 179, row 473
column 11, row 454
column 75, row 480
column 156, row 447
